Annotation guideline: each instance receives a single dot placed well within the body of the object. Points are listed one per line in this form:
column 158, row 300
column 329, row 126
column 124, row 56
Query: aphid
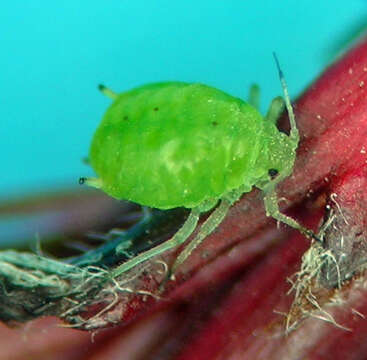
column 174, row 144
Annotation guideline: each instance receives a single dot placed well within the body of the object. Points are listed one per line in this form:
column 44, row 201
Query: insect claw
column 316, row 238
column 311, row 235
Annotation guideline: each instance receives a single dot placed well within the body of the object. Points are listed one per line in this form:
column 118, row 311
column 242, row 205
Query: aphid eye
column 273, row 173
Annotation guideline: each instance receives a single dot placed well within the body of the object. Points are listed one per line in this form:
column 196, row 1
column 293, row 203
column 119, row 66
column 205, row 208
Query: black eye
column 273, row 173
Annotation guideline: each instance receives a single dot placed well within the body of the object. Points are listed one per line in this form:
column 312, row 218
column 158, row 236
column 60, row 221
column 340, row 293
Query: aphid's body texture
column 174, row 144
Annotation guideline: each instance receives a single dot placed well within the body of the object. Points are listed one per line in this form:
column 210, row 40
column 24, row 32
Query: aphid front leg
column 270, row 198
column 272, row 209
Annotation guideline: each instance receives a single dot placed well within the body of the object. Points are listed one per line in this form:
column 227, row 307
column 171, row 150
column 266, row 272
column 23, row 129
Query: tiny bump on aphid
column 170, row 157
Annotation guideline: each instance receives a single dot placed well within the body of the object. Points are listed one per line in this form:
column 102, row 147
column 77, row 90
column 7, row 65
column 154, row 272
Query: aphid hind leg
column 215, row 218
column 181, row 235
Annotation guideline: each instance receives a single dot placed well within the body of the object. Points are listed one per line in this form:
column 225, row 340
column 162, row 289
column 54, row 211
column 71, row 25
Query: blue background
column 53, row 55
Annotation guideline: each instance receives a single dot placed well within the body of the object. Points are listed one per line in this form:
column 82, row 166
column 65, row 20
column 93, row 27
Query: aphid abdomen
column 176, row 144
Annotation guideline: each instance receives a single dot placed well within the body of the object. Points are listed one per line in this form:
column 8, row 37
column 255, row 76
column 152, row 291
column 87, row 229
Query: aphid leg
column 206, row 229
column 147, row 214
column 254, row 96
column 107, row 92
column 275, row 109
column 272, row 209
column 270, row 198
column 181, row 235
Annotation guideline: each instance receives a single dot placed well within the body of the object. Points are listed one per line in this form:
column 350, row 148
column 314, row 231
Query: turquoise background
column 53, row 55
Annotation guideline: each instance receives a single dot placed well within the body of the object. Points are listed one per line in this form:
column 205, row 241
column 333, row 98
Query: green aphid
column 174, row 144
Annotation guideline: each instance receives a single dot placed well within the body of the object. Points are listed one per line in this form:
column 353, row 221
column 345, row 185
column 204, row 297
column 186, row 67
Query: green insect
column 174, row 144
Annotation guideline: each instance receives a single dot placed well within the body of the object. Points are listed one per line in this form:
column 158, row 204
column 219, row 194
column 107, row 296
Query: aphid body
column 174, row 144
